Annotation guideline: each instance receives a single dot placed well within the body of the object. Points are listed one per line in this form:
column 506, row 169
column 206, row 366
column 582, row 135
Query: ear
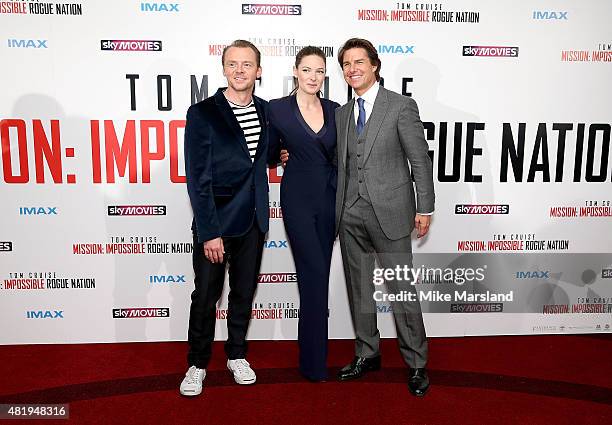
column 259, row 72
column 295, row 72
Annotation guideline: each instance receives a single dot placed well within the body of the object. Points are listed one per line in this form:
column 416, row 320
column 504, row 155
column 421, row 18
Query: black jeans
column 243, row 254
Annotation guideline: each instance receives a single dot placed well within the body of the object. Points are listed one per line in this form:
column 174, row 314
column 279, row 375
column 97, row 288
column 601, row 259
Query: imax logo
column 275, row 244
column 384, row 308
column 159, row 7
column 395, row 49
column 37, row 210
column 27, row 44
column 533, row 275
column 45, row 314
column 167, row 278
column 546, row 15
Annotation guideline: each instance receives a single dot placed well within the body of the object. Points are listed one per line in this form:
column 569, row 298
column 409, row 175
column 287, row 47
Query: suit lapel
column 379, row 112
column 347, row 115
column 263, row 123
column 230, row 119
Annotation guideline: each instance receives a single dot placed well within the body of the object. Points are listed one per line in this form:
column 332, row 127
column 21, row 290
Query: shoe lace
column 194, row 375
column 241, row 366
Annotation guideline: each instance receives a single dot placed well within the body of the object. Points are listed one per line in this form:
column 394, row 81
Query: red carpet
column 559, row 379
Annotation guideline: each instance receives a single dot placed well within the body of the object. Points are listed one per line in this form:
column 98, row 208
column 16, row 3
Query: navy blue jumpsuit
column 308, row 194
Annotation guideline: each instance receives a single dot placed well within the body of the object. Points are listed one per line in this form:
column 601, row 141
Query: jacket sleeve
column 412, row 138
column 274, row 140
column 198, row 169
column 335, row 107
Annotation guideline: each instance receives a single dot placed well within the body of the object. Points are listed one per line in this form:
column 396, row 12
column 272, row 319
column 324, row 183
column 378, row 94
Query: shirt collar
column 370, row 95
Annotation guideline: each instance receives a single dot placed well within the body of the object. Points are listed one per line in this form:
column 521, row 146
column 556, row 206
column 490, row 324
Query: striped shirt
column 249, row 122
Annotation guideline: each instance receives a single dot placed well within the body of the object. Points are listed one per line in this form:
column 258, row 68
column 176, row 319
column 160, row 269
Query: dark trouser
column 243, row 254
column 312, row 239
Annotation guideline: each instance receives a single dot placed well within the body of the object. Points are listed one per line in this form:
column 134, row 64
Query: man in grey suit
column 380, row 141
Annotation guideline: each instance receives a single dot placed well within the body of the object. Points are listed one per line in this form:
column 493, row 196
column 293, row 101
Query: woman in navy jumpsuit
column 308, row 193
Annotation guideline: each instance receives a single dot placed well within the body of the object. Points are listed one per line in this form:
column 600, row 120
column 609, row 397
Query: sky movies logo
column 277, row 278
column 482, row 209
column 6, row 246
column 131, row 45
column 491, row 51
column 272, row 9
column 136, row 210
column 140, row 313
column 477, row 308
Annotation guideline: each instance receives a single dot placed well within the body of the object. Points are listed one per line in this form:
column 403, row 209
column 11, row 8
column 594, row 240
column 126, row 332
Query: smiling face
column 241, row 69
column 310, row 74
column 358, row 71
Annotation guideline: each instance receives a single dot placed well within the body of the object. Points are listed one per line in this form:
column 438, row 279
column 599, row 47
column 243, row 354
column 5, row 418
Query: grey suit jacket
column 395, row 143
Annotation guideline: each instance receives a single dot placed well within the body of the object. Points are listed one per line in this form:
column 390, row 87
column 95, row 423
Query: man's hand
column 421, row 222
column 213, row 250
column 284, row 157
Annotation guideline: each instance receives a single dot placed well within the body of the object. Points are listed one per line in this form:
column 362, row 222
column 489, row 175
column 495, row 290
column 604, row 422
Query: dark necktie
column 361, row 119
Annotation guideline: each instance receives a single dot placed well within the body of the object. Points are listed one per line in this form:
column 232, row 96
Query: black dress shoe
column 418, row 382
column 358, row 367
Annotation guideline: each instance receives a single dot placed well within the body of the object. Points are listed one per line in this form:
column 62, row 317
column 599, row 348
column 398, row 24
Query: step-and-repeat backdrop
column 95, row 242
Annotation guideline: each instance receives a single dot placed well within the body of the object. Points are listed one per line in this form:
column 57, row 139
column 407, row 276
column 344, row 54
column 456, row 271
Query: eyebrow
column 356, row 60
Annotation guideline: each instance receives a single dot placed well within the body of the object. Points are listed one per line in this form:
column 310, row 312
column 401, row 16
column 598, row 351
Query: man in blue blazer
column 225, row 162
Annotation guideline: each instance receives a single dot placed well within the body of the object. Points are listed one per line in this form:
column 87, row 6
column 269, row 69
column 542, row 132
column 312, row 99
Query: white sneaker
column 243, row 374
column 192, row 382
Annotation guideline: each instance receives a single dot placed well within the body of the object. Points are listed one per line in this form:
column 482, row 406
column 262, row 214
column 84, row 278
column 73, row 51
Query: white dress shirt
column 368, row 101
